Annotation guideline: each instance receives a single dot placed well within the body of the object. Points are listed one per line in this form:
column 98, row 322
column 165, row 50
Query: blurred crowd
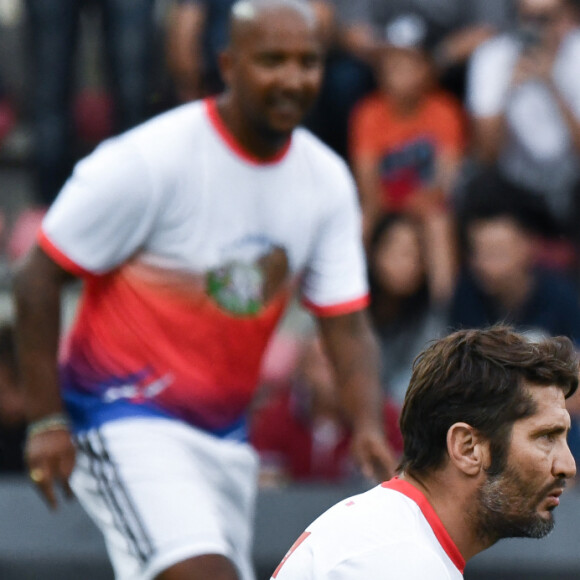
column 460, row 120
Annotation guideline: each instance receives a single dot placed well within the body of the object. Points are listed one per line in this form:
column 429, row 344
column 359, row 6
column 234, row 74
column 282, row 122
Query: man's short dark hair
column 478, row 377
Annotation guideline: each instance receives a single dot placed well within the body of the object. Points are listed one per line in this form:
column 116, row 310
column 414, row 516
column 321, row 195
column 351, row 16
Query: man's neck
column 258, row 145
column 452, row 503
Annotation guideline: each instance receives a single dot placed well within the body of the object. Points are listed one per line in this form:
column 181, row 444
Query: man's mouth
column 554, row 496
column 287, row 106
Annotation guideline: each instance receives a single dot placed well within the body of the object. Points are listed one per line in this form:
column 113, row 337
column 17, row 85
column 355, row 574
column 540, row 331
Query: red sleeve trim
column 232, row 142
column 338, row 309
column 59, row 257
column 431, row 516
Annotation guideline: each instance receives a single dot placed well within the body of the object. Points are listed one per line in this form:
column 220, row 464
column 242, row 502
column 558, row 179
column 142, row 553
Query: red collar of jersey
column 432, row 518
column 219, row 125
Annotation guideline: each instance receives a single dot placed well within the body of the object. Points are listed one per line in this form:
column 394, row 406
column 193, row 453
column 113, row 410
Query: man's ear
column 467, row 450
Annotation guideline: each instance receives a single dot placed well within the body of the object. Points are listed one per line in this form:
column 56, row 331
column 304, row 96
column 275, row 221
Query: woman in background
column 412, row 279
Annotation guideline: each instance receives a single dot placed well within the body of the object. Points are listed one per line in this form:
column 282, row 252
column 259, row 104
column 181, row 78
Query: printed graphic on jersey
column 243, row 288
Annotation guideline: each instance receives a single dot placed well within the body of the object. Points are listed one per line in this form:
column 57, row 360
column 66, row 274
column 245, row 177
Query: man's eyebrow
column 554, row 428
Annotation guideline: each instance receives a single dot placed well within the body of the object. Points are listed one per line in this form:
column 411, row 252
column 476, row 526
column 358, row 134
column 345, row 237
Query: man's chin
column 283, row 126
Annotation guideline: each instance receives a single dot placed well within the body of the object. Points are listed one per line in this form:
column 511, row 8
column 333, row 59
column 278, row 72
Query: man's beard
column 507, row 507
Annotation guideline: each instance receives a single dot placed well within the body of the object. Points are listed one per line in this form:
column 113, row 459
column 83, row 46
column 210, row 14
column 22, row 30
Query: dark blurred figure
column 12, row 420
column 54, row 26
column 197, row 31
column 300, row 432
column 411, row 284
column 502, row 281
column 524, row 100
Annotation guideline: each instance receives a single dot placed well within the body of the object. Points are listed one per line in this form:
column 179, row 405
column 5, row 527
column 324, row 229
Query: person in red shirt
column 300, row 432
column 407, row 139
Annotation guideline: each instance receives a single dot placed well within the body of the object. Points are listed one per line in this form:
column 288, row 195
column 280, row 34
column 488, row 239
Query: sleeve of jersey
column 335, row 281
column 103, row 213
column 401, row 560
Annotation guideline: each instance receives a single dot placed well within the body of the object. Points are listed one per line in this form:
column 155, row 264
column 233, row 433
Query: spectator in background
column 407, row 139
column 502, row 282
column 301, row 433
column 53, row 28
column 12, row 417
column 411, row 282
column 197, row 31
column 459, row 26
column 524, row 100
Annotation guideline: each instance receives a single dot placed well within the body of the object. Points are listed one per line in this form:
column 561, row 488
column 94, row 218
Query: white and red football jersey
column 190, row 248
column 388, row 533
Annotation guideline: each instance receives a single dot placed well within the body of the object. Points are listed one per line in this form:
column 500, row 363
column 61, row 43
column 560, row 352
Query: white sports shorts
column 162, row 492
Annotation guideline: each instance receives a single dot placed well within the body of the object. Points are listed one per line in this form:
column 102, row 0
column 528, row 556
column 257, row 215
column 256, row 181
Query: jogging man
column 190, row 233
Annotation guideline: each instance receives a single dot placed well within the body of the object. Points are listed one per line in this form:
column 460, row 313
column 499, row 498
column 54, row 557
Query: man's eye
column 550, row 437
column 270, row 59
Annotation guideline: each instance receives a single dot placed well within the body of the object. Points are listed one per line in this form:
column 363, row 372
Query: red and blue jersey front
column 189, row 251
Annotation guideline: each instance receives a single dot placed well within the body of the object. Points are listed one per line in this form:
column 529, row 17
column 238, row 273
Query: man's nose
column 564, row 463
column 293, row 76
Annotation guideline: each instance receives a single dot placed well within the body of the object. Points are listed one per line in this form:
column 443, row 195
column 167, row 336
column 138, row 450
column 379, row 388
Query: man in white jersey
column 485, row 457
column 190, row 233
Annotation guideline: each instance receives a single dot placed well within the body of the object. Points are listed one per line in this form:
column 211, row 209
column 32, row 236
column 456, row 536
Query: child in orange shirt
column 407, row 139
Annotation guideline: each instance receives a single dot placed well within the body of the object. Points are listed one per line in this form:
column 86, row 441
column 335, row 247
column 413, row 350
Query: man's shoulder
column 376, row 529
column 173, row 122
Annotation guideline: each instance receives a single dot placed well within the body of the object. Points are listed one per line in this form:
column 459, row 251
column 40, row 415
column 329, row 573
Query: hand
column 50, row 456
column 373, row 454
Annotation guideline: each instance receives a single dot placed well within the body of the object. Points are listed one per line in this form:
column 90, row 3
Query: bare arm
column 37, row 288
column 458, row 46
column 183, row 47
column 367, row 178
column 353, row 351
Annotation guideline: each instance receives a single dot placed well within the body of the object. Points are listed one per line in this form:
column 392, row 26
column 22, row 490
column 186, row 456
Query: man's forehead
column 274, row 28
column 550, row 405
column 278, row 21
column 248, row 10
